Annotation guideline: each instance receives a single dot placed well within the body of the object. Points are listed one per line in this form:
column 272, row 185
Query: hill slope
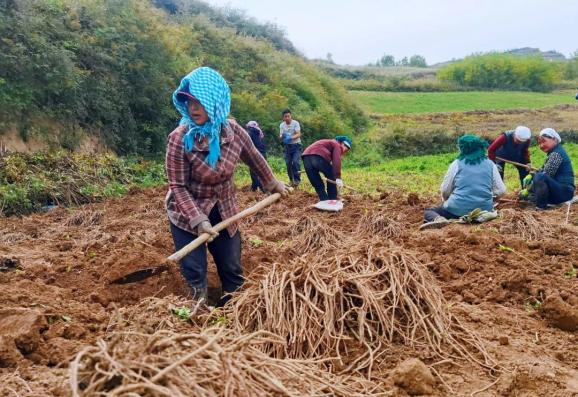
column 72, row 69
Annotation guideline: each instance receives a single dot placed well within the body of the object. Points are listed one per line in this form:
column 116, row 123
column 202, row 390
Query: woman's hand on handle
column 282, row 189
column 205, row 227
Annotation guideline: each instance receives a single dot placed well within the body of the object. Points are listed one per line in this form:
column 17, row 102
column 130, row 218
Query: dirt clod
column 560, row 314
column 414, row 377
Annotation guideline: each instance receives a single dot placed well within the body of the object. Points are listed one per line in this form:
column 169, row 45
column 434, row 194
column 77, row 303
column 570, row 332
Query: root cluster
column 524, row 224
column 213, row 362
column 351, row 307
column 379, row 224
column 311, row 235
column 85, row 218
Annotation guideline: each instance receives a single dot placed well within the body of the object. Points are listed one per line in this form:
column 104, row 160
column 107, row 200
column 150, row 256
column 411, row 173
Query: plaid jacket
column 195, row 187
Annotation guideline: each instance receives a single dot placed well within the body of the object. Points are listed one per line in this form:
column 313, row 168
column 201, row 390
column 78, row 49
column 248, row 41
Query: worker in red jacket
column 512, row 145
column 324, row 157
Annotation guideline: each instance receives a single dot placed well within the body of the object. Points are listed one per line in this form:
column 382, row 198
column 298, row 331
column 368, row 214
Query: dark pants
column 314, row 166
column 522, row 172
column 549, row 191
column 226, row 252
column 430, row 214
column 255, row 182
column 293, row 161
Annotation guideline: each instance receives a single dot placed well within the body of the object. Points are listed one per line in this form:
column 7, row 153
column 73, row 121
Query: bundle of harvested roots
column 84, row 218
column 351, row 306
column 154, row 314
column 524, row 224
column 34, row 381
column 310, row 235
column 379, row 224
column 214, row 362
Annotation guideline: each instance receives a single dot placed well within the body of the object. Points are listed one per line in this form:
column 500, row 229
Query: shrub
column 502, row 71
column 109, row 68
column 30, row 181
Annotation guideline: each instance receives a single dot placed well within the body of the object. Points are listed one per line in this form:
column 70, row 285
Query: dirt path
column 519, row 293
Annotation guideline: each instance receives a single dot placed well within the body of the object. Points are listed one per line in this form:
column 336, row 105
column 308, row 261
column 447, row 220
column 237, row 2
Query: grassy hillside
column 430, row 102
column 108, row 68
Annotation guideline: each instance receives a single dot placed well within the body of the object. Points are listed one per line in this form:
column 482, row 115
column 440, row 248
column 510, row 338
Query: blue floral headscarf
column 212, row 91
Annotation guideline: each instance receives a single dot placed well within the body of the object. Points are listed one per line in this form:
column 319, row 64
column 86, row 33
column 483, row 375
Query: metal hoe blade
column 140, row 275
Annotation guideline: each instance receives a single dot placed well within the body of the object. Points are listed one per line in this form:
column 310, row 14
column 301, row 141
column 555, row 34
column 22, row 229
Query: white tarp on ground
column 329, row 205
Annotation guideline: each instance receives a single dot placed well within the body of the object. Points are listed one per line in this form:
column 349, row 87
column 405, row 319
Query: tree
column 403, row 62
column 330, row 57
column 387, row 60
column 417, row 61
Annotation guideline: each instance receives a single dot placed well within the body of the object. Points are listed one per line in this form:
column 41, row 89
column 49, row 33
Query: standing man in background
column 290, row 133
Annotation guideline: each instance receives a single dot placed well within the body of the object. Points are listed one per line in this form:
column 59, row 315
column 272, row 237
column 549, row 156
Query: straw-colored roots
column 350, row 307
column 310, row 235
column 85, row 218
column 524, row 224
column 213, row 362
column 379, row 224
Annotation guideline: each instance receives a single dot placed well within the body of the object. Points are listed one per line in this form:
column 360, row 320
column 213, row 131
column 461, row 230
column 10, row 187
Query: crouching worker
column 554, row 182
column 513, row 146
column 470, row 182
column 324, row 157
column 258, row 139
column 202, row 153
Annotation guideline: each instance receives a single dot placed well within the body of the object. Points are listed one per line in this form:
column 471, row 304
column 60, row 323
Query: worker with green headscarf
column 470, row 182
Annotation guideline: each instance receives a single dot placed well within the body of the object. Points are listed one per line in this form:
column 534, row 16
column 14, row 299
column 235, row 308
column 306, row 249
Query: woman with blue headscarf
column 202, row 153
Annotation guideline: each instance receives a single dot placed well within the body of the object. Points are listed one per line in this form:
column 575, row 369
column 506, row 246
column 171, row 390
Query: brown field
column 520, row 302
column 486, row 123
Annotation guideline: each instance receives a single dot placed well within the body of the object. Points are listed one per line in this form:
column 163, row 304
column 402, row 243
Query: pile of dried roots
column 154, row 314
column 351, row 307
column 379, row 224
column 311, row 235
column 213, row 362
column 524, row 224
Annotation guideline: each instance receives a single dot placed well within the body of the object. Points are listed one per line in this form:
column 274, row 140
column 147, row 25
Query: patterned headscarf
column 255, row 125
column 212, row 91
column 472, row 149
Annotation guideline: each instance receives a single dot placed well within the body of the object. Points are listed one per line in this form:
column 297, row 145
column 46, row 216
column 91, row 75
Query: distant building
column 529, row 51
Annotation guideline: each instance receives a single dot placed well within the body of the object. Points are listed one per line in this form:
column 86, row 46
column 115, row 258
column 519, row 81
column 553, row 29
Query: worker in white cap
column 554, row 182
column 512, row 145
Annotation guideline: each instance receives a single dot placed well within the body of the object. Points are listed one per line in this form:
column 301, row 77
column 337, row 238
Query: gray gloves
column 282, row 189
column 205, row 227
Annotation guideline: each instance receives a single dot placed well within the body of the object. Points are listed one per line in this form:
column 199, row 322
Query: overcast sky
column 361, row 31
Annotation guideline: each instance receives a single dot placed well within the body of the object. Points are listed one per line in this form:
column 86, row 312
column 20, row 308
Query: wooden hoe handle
column 223, row 225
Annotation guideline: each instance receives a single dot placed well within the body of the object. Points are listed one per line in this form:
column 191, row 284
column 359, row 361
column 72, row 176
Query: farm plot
column 374, row 307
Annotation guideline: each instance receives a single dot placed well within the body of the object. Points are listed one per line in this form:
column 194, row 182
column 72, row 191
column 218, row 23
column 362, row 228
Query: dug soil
column 512, row 280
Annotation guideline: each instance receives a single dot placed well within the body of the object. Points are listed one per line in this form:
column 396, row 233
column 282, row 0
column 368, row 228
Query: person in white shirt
column 290, row 133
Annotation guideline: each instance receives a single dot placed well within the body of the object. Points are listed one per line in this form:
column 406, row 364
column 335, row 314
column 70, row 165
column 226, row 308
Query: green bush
column 30, row 181
column 503, row 71
column 398, row 141
column 109, row 68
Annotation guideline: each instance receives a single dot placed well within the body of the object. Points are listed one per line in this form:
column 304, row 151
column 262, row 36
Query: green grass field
column 427, row 102
column 418, row 174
